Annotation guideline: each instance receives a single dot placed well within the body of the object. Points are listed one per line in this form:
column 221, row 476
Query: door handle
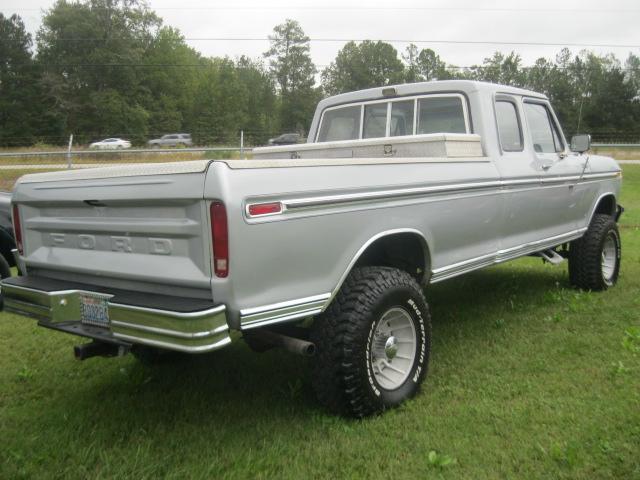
column 547, row 166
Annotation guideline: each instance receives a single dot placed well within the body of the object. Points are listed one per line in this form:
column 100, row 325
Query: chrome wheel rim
column 393, row 348
column 609, row 257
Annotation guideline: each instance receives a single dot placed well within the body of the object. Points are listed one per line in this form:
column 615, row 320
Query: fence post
column 242, row 144
column 69, row 163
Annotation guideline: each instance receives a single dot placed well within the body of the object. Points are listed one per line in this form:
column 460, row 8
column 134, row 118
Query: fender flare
column 368, row 243
column 597, row 202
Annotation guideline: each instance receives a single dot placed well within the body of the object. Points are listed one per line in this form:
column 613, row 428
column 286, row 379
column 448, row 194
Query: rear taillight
column 220, row 239
column 17, row 229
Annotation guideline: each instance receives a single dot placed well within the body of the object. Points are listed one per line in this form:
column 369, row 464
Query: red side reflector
column 220, row 239
column 17, row 229
column 265, row 208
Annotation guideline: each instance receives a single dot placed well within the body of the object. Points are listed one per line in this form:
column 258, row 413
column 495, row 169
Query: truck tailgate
column 133, row 227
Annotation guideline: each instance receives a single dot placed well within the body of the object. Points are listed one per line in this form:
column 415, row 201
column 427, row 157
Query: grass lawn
column 529, row 379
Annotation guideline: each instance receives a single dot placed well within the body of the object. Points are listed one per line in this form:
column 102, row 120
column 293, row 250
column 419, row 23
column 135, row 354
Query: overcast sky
column 611, row 22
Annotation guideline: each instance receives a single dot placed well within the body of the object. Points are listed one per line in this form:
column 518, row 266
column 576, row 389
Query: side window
column 375, row 121
column 508, row 126
column 401, row 118
column 441, row 115
column 543, row 133
column 340, row 124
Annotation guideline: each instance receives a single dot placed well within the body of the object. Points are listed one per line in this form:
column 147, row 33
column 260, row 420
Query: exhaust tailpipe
column 291, row 344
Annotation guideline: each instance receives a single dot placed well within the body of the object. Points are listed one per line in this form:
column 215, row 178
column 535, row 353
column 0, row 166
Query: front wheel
column 373, row 343
column 594, row 259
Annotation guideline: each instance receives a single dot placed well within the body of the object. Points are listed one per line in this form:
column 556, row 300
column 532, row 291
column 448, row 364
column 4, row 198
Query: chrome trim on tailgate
column 191, row 332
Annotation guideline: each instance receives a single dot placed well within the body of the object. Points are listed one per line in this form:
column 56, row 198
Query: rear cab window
column 340, row 124
column 441, row 115
column 424, row 114
column 509, row 126
column 375, row 120
column 401, row 121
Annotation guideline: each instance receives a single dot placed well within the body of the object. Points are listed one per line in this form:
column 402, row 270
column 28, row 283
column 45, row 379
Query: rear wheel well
column 406, row 251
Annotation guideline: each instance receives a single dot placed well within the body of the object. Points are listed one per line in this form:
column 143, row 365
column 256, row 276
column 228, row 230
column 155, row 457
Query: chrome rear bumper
column 191, row 332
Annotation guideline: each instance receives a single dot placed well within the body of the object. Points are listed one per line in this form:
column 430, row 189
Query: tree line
column 101, row 68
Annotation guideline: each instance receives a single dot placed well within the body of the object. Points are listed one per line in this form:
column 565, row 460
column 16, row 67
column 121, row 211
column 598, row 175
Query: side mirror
column 580, row 143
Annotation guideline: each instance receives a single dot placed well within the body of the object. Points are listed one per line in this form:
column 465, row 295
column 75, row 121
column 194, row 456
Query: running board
column 551, row 256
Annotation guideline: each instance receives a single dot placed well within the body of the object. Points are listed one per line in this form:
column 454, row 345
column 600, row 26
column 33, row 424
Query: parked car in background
column 7, row 242
column 286, row 139
column 111, row 144
column 172, row 140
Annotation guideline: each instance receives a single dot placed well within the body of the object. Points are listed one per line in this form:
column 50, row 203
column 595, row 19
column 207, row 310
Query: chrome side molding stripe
column 385, row 194
column 450, row 271
column 500, row 186
column 283, row 311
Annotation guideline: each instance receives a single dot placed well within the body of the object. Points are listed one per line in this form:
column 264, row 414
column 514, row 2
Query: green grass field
column 529, row 378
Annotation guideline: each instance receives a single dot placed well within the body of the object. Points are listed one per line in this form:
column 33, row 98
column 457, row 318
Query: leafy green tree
column 91, row 47
column 119, row 116
column 632, row 67
column 294, row 72
column 424, row 65
column 363, row 65
column 412, row 69
column 500, row 68
column 260, row 102
column 217, row 117
column 169, row 80
column 19, row 90
column 431, row 67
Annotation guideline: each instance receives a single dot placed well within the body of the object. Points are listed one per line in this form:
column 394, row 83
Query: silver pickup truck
column 321, row 248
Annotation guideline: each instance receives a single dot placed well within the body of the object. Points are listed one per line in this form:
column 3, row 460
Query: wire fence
column 69, row 158
column 128, row 151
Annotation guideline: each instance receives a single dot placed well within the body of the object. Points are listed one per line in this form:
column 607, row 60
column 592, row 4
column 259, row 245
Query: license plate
column 94, row 310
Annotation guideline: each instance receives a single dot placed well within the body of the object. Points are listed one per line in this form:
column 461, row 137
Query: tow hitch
column 99, row 349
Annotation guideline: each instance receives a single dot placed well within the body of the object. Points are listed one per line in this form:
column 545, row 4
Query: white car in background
column 111, row 144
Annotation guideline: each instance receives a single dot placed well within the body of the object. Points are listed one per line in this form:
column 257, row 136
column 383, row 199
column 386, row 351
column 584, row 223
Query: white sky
column 614, row 22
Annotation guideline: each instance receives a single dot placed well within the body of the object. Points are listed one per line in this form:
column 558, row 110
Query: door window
column 544, row 134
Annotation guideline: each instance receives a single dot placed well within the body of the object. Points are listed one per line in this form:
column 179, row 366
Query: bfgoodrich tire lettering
column 344, row 376
column 594, row 259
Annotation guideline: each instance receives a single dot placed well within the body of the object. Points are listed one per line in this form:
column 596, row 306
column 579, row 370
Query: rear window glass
column 375, row 121
column 401, row 118
column 508, row 126
column 441, row 115
column 340, row 124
